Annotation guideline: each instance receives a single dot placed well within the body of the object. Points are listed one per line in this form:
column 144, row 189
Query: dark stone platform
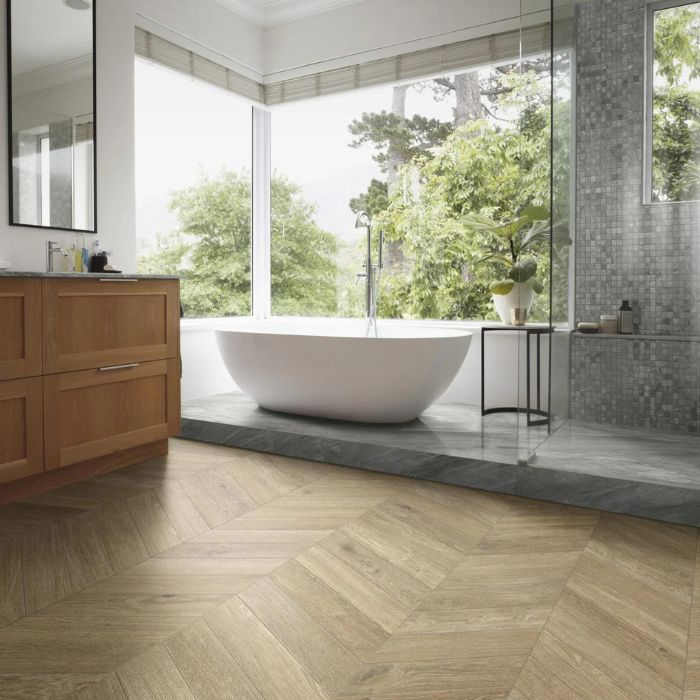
column 624, row 471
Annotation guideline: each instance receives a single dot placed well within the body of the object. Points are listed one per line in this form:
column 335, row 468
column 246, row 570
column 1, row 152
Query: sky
column 185, row 129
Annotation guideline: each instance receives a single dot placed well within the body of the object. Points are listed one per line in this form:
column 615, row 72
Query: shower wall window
column 439, row 164
column 673, row 102
column 193, row 189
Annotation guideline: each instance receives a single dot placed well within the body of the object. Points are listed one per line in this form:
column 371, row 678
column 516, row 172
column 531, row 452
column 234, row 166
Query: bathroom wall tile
column 625, row 249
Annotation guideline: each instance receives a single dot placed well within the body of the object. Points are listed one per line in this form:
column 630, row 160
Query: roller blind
column 162, row 51
column 470, row 53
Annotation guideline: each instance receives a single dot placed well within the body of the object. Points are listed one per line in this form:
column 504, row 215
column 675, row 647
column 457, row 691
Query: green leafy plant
column 515, row 245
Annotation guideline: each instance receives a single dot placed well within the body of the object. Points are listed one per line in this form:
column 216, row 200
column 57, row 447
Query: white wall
column 390, row 27
column 25, row 247
column 208, row 28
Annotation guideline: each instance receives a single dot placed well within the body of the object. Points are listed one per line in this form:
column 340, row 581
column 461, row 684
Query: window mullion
column 261, row 264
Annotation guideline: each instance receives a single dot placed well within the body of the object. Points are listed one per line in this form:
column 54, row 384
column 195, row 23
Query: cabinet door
column 21, row 437
column 20, row 335
column 92, row 322
column 98, row 412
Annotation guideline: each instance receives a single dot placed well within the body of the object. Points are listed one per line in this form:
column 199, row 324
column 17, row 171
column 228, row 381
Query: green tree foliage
column 396, row 138
column 676, row 108
column 489, row 167
column 211, row 250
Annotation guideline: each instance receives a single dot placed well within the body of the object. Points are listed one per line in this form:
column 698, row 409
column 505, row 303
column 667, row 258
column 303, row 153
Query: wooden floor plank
column 182, row 513
column 209, row 670
column 692, row 670
column 11, row 581
column 45, row 568
column 336, row 615
column 35, row 686
column 121, row 537
column 421, row 557
column 217, row 496
column 109, row 688
column 328, row 662
column 157, row 532
column 447, row 680
column 261, row 477
column 368, row 598
column 88, row 561
column 215, row 573
column 408, row 590
column 274, row 671
column 153, row 676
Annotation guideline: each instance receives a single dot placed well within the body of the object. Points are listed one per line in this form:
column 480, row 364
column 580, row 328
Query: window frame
column 648, row 148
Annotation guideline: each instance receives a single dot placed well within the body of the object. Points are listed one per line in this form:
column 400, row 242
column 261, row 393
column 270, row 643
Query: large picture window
column 673, row 102
column 193, row 189
column 425, row 159
column 453, row 170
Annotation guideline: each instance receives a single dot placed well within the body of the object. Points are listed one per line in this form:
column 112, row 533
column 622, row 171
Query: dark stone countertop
column 86, row 275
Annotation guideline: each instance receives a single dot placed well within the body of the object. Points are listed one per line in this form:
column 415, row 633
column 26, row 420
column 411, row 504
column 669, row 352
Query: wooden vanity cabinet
column 20, row 327
column 108, row 321
column 90, row 373
column 21, row 429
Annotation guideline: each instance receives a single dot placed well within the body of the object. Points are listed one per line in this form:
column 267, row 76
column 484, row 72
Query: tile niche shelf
column 637, row 336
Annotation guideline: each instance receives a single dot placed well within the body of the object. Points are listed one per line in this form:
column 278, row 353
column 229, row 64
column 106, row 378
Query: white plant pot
column 520, row 296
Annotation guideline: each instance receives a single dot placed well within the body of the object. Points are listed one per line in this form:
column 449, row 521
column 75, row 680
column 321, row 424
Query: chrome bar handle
column 117, row 279
column 113, row 367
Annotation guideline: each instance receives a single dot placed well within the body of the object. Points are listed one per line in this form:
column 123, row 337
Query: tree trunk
column 393, row 253
column 398, row 107
column 468, row 98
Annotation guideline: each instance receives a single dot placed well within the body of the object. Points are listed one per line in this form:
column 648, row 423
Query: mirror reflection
column 52, row 120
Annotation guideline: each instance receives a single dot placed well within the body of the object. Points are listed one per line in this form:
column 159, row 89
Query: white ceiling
column 268, row 12
column 46, row 33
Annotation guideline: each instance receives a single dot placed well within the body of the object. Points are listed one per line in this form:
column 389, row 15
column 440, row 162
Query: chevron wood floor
column 219, row 573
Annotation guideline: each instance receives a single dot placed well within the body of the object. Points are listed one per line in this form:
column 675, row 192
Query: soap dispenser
column 625, row 318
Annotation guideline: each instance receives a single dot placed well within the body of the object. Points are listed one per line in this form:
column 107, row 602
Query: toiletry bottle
column 86, row 255
column 625, row 317
column 95, row 252
column 77, row 253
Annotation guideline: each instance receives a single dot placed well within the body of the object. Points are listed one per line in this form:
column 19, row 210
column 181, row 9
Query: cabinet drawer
column 92, row 323
column 21, row 437
column 20, row 336
column 98, row 412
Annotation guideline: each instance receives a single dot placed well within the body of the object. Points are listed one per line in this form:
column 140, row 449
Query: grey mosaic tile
column 625, row 249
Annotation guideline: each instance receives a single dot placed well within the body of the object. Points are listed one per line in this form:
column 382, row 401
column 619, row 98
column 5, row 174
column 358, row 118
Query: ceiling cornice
column 270, row 12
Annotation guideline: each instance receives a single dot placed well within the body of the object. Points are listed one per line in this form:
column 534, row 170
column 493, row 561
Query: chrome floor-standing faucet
column 372, row 273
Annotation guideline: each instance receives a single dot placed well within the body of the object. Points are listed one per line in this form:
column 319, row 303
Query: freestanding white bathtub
column 331, row 370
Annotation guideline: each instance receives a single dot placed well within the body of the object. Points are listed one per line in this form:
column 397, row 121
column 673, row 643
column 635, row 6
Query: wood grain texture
column 122, row 540
column 209, row 670
column 112, row 337
column 108, row 688
column 153, row 676
column 22, row 444
column 329, row 582
column 11, row 581
column 266, row 661
column 157, row 532
column 20, row 340
column 45, row 567
column 44, row 483
column 328, row 662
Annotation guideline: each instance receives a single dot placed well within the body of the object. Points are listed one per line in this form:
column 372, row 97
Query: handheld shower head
column 362, row 220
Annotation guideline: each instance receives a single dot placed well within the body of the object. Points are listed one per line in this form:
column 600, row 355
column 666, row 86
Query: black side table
column 538, row 332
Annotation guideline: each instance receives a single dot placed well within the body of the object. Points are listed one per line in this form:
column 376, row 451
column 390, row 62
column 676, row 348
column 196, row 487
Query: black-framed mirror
column 51, row 104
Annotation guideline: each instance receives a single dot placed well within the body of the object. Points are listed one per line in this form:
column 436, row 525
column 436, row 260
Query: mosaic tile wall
column 643, row 383
column 625, row 249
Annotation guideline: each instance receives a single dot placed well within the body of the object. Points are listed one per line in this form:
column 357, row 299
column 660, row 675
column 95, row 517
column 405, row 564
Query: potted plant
column 515, row 245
